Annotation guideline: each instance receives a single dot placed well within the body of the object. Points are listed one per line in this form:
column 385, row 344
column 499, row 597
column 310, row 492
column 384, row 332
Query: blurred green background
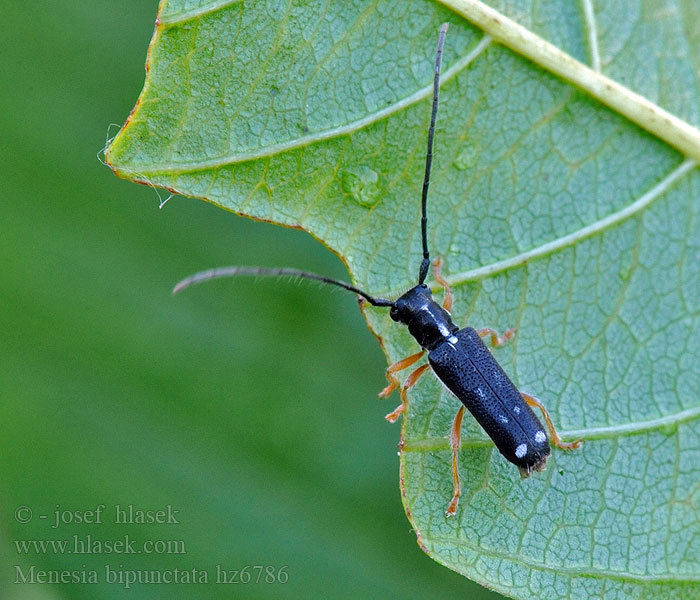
column 249, row 407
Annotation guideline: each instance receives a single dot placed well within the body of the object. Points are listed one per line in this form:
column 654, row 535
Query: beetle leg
column 398, row 366
column 553, row 435
column 407, row 385
column 496, row 340
column 449, row 297
column 455, row 440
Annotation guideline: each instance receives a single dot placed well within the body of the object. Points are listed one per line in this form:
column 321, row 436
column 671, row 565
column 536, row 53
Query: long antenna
column 425, row 264
column 263, row 272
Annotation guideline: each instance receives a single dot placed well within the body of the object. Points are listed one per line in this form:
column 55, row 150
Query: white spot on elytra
column 540, row 437
column 502, row 418
column 521, row 450
column 480, row 393
column 516, row 410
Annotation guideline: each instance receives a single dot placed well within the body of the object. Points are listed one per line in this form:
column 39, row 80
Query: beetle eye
column 394, row 313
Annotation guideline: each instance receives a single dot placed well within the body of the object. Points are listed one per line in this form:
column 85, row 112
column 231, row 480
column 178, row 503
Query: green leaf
column 564, row 204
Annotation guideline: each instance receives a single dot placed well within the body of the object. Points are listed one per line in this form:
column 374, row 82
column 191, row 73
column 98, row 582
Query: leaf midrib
column 639, row 110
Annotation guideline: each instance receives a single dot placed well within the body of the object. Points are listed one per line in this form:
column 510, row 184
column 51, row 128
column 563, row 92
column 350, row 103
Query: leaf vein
column 588, row 433
column 195, row 13
column 589, row 230
column 334, row 132
column 592, row 30
column 599, row 573
column 667, row 127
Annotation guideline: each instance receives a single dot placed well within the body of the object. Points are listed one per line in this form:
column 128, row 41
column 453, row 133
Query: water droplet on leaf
column 465, row 159
column 669, row 429
column 362, row 183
